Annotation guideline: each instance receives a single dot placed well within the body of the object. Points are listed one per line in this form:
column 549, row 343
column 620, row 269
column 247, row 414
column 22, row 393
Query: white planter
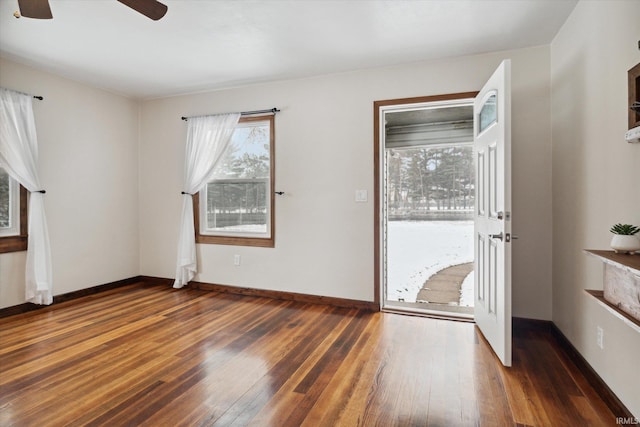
column 625, row 244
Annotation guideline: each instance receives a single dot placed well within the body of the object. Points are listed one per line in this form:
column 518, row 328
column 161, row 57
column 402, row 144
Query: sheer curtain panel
column 19, row 157
column 207, row 139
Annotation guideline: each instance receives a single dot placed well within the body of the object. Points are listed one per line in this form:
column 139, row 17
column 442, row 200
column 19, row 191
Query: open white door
column 492, row 230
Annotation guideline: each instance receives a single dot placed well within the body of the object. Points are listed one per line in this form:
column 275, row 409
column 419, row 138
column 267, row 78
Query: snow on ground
column 466, row 292
column 416, row 250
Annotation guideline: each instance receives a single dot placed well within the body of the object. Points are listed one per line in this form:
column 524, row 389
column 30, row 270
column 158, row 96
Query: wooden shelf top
column 631, row 262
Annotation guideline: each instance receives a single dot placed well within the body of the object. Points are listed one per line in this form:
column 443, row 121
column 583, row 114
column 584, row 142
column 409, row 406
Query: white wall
column 595, row 179
column 104, row 228
column 324, row 152
column 88, row 162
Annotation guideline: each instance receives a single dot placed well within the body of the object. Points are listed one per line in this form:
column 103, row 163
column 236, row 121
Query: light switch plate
column 361, row 196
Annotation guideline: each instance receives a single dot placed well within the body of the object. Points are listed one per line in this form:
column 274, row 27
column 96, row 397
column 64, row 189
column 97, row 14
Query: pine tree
column 442, row 176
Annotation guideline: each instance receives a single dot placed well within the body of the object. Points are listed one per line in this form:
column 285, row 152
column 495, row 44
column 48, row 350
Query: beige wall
column 88, row 163
column 595, row 179
column 324, row 152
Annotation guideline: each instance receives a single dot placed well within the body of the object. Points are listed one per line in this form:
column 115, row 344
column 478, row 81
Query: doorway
column 492, row 233
column 426, row 174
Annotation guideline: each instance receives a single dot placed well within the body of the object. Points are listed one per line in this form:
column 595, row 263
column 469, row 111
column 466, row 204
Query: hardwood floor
column 152, row 356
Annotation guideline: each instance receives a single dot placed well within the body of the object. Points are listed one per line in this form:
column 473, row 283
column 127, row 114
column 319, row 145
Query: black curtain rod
column 245, row 113
column 28, row 94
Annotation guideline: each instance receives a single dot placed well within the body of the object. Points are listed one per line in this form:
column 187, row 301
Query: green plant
column 625, row 229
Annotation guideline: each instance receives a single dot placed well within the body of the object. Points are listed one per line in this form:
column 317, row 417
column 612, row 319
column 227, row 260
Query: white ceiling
column 211, row 44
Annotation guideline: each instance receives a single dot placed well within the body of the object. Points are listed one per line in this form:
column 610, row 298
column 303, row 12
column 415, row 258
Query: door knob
column 496, row 236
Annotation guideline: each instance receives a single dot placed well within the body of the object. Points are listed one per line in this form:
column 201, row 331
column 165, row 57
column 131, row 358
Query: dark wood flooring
column 153, row 356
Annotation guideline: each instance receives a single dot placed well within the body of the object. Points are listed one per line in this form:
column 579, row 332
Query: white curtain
column 19, row 157
column 207, row 139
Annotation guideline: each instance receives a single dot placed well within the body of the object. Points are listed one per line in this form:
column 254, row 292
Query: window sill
column 13, row 244
column 236, row 241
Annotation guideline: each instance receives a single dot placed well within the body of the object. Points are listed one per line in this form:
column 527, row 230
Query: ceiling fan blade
column 152, row 9
column 38, row 9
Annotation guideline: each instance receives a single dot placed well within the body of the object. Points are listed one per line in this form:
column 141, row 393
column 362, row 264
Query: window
column 13, row 214
column 236, row 206
column 488, row 112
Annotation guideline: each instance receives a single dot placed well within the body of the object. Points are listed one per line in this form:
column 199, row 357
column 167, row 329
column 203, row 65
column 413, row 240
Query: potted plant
column 624, row 239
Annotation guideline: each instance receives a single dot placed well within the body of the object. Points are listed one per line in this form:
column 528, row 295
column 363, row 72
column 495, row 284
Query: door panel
column 492, row 225
column 481, row 185
column 481, row 262
column 492, row 192
column 493, row 265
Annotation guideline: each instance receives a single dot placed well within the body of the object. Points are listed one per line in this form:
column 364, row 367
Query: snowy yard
column 419, row 249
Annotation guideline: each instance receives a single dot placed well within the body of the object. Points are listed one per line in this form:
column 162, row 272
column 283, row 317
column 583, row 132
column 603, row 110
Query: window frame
column 265, row 242
column 18, row 242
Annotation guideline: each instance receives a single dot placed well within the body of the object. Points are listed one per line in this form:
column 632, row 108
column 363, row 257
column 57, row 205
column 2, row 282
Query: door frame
column 378, row 169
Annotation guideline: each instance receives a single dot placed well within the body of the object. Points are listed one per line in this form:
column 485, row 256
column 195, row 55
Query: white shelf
column 599, row 296
column 628, row 263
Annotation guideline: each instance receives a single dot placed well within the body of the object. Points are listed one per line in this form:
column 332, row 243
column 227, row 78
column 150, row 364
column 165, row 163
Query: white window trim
column 204, row 230
column 14, row 210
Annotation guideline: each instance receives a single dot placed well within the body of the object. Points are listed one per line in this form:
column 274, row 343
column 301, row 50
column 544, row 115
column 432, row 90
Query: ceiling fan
column 39, row 9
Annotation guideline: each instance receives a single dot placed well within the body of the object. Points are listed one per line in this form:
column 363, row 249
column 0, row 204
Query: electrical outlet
column 236, row 260
column 600, row 337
